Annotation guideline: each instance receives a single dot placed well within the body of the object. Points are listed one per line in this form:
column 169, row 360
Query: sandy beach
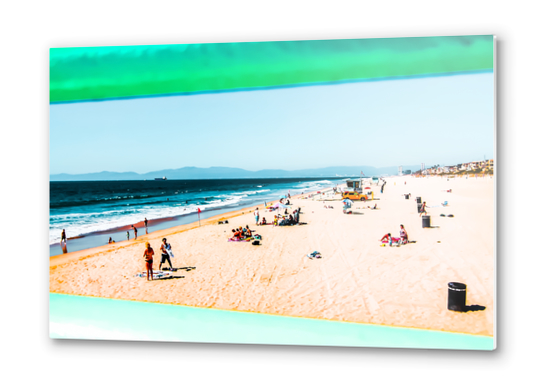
column 356, row 280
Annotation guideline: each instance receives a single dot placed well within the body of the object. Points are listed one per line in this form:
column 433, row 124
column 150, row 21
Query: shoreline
column 170, row 231
column 100, row 237
column 356, row 280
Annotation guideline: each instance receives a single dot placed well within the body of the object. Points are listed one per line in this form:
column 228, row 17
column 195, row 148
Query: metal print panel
column 327, row 193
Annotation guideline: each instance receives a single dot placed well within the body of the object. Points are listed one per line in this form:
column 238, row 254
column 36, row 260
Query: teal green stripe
column 100, row 73
column 286, row 86
column 83, row 317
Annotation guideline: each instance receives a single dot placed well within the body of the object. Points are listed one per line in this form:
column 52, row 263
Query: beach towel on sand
column 394, row 240
column 314, row 255
column 155, row 274
column 240, row 240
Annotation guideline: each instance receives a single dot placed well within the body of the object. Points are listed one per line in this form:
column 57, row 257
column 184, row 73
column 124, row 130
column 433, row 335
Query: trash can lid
column 457, row 286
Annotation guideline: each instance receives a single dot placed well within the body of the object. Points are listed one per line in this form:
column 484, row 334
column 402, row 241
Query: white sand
column 356, row 280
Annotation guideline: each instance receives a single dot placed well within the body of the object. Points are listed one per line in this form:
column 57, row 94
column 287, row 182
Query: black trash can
column 418, row 200
column 457, row 296
column 407, row 197
column 426, row 221
column 419, row 207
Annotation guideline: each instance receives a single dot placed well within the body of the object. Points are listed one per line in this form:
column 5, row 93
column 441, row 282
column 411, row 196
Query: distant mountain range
column 194, row 173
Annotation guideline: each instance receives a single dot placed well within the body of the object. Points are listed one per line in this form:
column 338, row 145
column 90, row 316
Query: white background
column 28, row 29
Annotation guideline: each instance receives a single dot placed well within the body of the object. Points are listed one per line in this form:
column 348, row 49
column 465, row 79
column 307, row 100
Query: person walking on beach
column 146, row 223
column 166, row 249
column 147, row 255
column 257, row 216
column 63, row 236
column 128, row 235
column 423, row 209
column 135, row 232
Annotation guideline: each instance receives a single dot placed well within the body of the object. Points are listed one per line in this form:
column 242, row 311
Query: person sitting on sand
column 387, row 239
column 236, row 234
column 374, row 207
column 291, row 220
column 264, row 222
column 147, row 255
column 403, row 234
column 111, row 241
column 276, row 221
column 165, row 247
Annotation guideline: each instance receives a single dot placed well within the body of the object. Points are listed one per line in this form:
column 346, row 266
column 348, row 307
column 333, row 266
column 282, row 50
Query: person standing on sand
column 423, row 209
column 63, row 242
column 128, row 235
column 257, row 216
column 165, row 248
column 147, row 255
column 146, row 223
column 135, row 232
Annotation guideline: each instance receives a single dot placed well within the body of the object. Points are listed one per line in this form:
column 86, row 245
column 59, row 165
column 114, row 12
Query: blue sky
column 435, row 120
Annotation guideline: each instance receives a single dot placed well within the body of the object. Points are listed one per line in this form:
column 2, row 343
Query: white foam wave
column 86, row 223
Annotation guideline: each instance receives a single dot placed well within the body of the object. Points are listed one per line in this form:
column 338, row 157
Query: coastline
column 171, row 214
column 159, row 234
column 356, row 280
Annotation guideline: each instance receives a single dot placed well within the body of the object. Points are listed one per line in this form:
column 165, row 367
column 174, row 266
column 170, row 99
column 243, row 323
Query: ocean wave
column 85, row 223
column 102, row 212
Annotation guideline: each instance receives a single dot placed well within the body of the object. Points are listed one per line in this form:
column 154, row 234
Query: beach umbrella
column 280, row 206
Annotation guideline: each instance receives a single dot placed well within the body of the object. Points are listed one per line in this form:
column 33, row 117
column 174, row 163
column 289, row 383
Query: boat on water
column 160, row 178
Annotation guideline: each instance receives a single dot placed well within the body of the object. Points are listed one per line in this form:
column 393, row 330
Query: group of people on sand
column 148, row 254
column 241, row 233
column 402, row 239
column 291, row 219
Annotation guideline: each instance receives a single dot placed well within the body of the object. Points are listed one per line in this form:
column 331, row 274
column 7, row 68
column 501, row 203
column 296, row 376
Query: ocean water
column 88, row 207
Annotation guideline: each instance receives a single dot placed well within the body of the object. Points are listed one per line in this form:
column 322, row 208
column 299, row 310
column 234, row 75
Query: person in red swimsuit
column 147, row 255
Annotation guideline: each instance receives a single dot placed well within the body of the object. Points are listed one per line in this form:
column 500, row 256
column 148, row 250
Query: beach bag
column 168, row 249
column 256, row 242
